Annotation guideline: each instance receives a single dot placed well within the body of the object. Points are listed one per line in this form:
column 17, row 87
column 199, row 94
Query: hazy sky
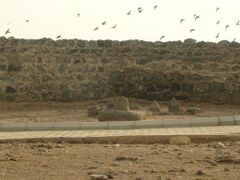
column 49, row 18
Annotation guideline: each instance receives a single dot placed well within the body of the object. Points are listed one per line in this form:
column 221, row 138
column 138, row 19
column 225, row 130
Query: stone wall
column 77, row 70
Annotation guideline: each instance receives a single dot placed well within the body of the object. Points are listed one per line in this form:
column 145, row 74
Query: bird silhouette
column 218, row 22
column 7, row 31
column 129, row 12
column 59, row 37
column 27, row 20
column 238, row 23
column 226, row 27
column 162, row 37
column 140, row 10
column 115, row 26
column 217, row 36
column 78, row 15
column 95, row 29
column 155, row 7
column 197, row 17
column 217, row 9
column 104, row 23
column 192, row 30
column 182, row 20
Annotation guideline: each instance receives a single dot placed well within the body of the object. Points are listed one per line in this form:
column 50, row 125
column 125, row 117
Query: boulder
column 220, row 145
column 135, row 107
column 199, row 172
column 117, row 115
column 180, row 140
column 126, row 158
column 155, row 108
column 98, row 177
column 93, row 111
column 121, row 103
column 193, row 110
column 174, row 106
column 110, row 103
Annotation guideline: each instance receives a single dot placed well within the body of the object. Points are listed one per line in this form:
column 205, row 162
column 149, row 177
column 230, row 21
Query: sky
column 50, row 18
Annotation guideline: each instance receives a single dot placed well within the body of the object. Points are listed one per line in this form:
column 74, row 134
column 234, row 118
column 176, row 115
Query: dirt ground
column 56, row 111
column 117, row 161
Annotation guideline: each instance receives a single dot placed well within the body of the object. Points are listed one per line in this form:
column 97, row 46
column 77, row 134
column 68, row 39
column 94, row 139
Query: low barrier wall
column 164, row 123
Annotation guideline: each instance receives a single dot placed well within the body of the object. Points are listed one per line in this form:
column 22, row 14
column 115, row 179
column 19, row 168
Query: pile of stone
column 118, row 110
column 174, row 107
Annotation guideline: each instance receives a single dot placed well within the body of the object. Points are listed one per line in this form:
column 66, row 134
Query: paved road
column 212, row 131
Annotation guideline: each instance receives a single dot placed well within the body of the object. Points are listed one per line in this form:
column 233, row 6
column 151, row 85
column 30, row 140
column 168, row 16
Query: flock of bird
column 196, row 17
column 155, row 7
column 140, row 10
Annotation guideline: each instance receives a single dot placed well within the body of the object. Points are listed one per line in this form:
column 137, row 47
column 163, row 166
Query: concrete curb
column 152, row 139
column 165, row 123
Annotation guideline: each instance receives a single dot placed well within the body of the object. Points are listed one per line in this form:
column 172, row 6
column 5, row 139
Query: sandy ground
column 55, row 112
column 142, row 162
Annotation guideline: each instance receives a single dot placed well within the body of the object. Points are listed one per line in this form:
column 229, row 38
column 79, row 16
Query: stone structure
column 174, row 106
column 155, row 108
column 121, row 103
column 117, row 115
column 77, row 70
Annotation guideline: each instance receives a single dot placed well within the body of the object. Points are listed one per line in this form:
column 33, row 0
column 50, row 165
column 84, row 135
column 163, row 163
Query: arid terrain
column 59, row 112
column 118, row 161
column 73, row 161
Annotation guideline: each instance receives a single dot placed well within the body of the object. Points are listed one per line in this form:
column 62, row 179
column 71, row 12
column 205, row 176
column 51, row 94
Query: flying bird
column 155, row 7
column 140, row 10
column 197, row 17
column 192, row 30
column 59, row 37
column 129, row 12
column 217, row 9
column 104, row 23
column 162, row 37
column 27, row 20
column 218, row 22
column 78, row 15
column 217, row 36
column 226, row 27
column 95, row 29
column 181, row 20
column 238, row 23
column 7, row 31
column 194, row 15
column 114, row 26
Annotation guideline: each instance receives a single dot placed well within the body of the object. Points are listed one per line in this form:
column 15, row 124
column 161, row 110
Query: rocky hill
column 77, row 70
